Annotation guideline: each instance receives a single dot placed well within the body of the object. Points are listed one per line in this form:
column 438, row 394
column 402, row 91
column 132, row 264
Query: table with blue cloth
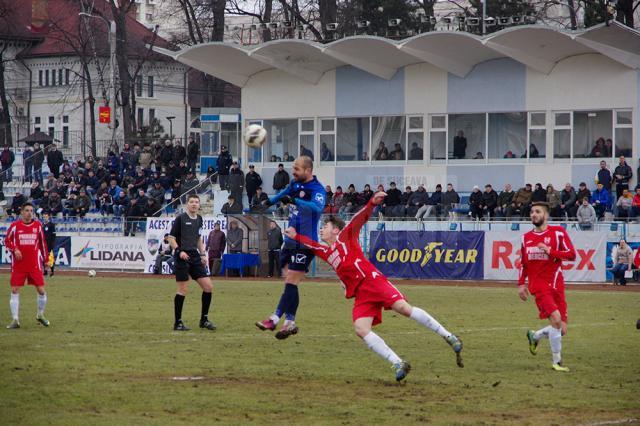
column 239, row 261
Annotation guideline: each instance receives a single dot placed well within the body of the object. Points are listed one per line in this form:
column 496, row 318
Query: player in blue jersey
column 305, row 197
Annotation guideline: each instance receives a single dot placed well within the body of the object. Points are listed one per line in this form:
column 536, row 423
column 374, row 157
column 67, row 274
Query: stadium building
column 530, row 101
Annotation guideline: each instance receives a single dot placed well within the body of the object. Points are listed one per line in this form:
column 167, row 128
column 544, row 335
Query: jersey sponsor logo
column 320, row 198
column 374, row 274
column 299, row 258
column 505, row 255
column 547, row 240
column 433, row 252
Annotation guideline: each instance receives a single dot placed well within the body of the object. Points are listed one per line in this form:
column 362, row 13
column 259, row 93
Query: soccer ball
column 255, row 135
column 91, row 273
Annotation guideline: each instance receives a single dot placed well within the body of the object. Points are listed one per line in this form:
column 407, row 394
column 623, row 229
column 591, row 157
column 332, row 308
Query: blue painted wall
column 464, row 178
column 359, row 93
column 496, row 85
column 586, row 173
column 374, row 175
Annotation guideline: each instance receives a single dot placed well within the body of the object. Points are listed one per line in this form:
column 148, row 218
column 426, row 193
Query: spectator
column 381, row 153
column 16, row 204
column 337, row 200
column 328, row 200
column 419, row 204
column 621, row 176
column 436, row 200
column 280, row 178
column 479, row 156
column 182, row 169
column 599, row 149
column 504, row 201
column 533, row 151
column 92, row 183
column 193, row 152
column 603, row 176
column 146, row 157
column 569, row 201
column 27, row 161
column 259, row 201
column 475, row 203
column 133, row 213
column 622, row 262
column 553, row 199
column 509, row 154
column 231, row 206
column 397, row 153
column 325, row 153
column 176, row 190
column 365, row 156
column 189, row 185
column 306, row 151
column 104, row 201
column 416, row 152
column 608, row 148
column 69, row 206
column 82, row 204
column 37, row 161
column 349, row 201
column 521, row 201
column 151, row 207
column 287, row 157
column 635, row 204
column 489, row 202
column 235, row 235
column 164, row 255
column 36, row 193
column 583, row 192
column 404, row 202
column 274, row 243
column 224, row 163
column 449, row 199
column 54, row 206
column 252, row 182
column 212, row 177
column 157, row 193
column 586, row 215
column 392, row 200
column 126, row 159
column 460, row 146
column 236, row 181
column 166, row 153
column 216, row 243
column 624, row 205
column 539, row 194
column 7, row 158
column 120, row 203
column 600, row 200
column 140, row 181
column 365, row 195
column 179, row 152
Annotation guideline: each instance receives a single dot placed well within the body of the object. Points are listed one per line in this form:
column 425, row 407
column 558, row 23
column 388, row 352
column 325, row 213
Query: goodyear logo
column 433, row 252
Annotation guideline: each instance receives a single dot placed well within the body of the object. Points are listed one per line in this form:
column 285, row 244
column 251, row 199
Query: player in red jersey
column 25, row 240
column 371, row 289
column 541, row 255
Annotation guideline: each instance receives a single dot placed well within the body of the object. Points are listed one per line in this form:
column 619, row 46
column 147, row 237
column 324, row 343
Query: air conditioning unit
column 424, row 19
column 363, row 24
column 447, row 20
column 151, row 1
column 473, row 22
column 530, row 19
column 516, row 20
column 489, row 22
column 504, row 20
column 302, row 27
column 462, row 19
column 332, row 27
column 394, row 22
column 286, row 24
column 274, row 25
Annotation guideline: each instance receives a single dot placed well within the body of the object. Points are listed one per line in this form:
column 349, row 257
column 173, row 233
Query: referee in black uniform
column 190, row 260
column 49, row 230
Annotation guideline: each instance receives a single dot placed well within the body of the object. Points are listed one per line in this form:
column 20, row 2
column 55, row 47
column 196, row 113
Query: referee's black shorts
column 190, row 268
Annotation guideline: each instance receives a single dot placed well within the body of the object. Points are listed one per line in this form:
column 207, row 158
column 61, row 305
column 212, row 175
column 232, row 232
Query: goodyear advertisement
column 429, row 254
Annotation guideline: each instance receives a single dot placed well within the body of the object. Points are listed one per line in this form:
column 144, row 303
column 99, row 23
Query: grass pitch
column 110, row 357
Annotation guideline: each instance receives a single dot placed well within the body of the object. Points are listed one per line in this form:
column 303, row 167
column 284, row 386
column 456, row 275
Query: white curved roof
column 537, row 47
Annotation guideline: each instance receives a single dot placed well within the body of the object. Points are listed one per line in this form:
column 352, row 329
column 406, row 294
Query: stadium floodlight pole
column 111, row 27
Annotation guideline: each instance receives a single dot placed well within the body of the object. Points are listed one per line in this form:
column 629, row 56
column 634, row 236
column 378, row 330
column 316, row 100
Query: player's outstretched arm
column 363, row 215
column 319, row 250
column 275, row 198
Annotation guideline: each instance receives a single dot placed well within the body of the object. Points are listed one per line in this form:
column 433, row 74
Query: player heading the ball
column 26, row 242
column 541, row 255
column 305, row 197
column 370, row 288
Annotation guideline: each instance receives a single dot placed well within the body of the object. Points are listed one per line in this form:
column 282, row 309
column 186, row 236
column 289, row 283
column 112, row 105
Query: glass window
column 438, row 122
column 327, row 125
column 306, row 126
column 352, row 142
column 415, row 141
column 282, row 140
column 150, row 86
column 623, row 141
column 53, row 78
column 388, row 138
column 152, row 116
column 139, row 86
column 327, row 147
column 307, row 145
column 65, row 118
column 65, row 136
column 508, row 135
column 40, row 78
column 60, row 77
column 592, row 134
column 140, row 117
column 51, row 119
column 563, row 119
column 230, row 137
column 37, row 120
column 562, row 143
column 537, row 143
column 52, row 131
column 37, row 129
column 66, row 77
column 538, row 119
column 623, row 117
column 438, row 145
column 46, row 77
column 415, row 123
column 467, row 133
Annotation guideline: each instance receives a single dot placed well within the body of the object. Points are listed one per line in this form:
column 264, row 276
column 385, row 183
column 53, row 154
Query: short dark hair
column 541, row 204
column 27, row 204
column 335, row 221
column 190, row 196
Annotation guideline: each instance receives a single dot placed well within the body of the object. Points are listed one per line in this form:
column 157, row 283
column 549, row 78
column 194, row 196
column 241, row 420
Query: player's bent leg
column 289, row 303
column 42, row 303
column 207, row 296
column 14, row 305
column 178, row 302
column 362, row 327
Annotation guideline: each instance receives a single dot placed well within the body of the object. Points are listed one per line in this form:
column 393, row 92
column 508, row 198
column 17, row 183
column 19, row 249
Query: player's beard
column 538, row 223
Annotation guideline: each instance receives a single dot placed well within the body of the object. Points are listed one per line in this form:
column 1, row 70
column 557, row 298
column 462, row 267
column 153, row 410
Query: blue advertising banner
column 61, row 252
column 611, row 252
column 429, row 254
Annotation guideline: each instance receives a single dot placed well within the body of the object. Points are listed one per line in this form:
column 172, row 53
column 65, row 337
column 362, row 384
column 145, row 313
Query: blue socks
column 289, row 302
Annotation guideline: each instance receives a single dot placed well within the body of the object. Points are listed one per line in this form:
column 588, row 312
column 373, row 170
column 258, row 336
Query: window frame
column 530, row 127
column 306, row 133
column 569, row 127
column 444, row 130
column 333, row 133
column 409, row 130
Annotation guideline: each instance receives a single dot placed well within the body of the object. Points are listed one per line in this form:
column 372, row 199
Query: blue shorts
column 296, row 259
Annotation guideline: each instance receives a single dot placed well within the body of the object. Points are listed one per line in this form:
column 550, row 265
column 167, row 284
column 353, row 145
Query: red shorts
column 550, row 301
column 372, row 296
column 33, row 278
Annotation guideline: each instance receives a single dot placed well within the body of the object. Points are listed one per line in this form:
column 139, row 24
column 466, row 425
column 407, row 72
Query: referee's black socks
column 178, row 301
column 206, row 303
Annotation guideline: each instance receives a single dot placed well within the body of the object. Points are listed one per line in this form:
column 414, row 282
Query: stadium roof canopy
column 537, row 47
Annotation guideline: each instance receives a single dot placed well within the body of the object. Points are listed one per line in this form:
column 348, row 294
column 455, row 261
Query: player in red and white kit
column 25, row 240
column 541, row 255
column 371, row 289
